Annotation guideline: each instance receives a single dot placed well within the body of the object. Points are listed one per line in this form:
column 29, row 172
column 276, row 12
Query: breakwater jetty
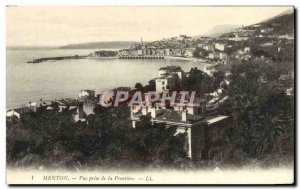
column 141, row 57
column 39, row 60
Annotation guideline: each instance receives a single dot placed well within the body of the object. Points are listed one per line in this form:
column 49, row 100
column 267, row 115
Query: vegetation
column 104, row 53
column 202, row 83
column 52, row 139
column 149, row 87
column 262, row 112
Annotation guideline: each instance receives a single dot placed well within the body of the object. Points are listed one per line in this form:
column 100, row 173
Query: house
column 220, row 47
column 177, row 52
column 167, row 52
column 238, row 38
column 196, row 126
column 200, row 45
column 11, row 115
column 247, row 49
column 266, row 30
column 189, row 52
column 242, row 54
column 204, row 130
column 160, row 52
column 217, row 55
column 140, row 52
column 170, row 77
column 209, row 70
column 124, row 52
column 133, row 52
column 267, row 44
column 31, row 106
column 87, row 97
column 208, row 47
column 70, row 104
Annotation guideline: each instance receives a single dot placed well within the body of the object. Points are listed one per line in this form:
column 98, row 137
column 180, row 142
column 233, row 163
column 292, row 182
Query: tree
column 199, row 81
column 156, row 145
column 219, row 76
column 260, row 108
column 138, row 86
column 53, row 139
column 150, row 86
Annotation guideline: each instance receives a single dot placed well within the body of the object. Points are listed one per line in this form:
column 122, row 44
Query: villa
column 204, row 130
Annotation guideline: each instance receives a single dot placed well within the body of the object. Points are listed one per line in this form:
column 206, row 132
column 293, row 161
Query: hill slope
column 282, row 24
column 221, row 29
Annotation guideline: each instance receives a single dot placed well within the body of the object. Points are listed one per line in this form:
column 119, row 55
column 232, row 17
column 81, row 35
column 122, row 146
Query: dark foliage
column 52, row 139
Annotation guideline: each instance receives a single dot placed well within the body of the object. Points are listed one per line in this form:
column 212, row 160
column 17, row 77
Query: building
column 65, row 107
column 189, row 52
column 247, row 49
column 170, row 78
column 209, row 70
column 124, row 52
column 195, row 125
column 238, row 38
column 88, row 98
column 204, row 130
column 220, row 47
column 266, row 30
column 167, row 52
column 200, row 45
column 208, row 47
column 217, row 55
column 177, row 52
column 31, row 106
column 12, row 115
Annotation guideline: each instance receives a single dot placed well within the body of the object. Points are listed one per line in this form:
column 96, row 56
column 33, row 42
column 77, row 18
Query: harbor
column 141, row 57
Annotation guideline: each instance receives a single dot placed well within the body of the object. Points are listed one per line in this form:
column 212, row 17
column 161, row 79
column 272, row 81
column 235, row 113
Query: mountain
column 99, row 45
column 286, row 12
column 283, row 24
column 220, row 29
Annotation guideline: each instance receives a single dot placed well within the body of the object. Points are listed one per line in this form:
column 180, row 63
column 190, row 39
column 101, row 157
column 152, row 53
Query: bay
column 65, row 78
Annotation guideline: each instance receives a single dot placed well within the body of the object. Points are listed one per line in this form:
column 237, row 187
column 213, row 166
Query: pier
column 141, row 57
column 39, row 60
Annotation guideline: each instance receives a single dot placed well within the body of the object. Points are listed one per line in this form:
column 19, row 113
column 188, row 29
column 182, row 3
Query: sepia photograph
column 150, row 95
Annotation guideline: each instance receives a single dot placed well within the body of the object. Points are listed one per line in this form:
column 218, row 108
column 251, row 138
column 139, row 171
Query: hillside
column 99, row 45
column 282, row 24
column 221, row 29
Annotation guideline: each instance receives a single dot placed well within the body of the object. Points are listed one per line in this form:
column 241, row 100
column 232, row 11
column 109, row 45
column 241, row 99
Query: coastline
column 165, row 57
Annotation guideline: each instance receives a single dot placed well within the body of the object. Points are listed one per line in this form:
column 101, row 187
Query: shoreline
column 40, row 60
column 165, row 57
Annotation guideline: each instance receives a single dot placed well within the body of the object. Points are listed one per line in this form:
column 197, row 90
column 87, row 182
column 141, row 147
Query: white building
column 31, row 106
column 189, row 52
column 219, row 46
column 170, row 77
column 208, row 47
column 247, row 49
column 76, row 115
column 12, row 113
column 188, row 119
column 217, row 55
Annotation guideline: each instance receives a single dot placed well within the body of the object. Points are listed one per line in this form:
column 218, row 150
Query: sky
column 57, row 26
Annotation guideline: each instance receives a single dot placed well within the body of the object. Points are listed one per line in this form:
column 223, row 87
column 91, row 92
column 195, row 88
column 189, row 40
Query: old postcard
column 150, row 95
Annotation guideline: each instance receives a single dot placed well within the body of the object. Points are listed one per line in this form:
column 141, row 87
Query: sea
column 50, row 80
